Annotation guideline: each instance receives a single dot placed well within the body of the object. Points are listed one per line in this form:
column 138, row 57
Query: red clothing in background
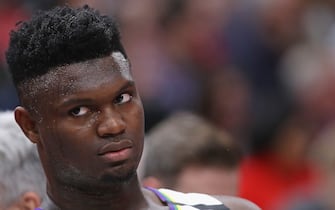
column 267, row 182
column 9, row 16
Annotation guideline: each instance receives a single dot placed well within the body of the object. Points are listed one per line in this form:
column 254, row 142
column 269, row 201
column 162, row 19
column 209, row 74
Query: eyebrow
column 71, row 101
column 128, row 84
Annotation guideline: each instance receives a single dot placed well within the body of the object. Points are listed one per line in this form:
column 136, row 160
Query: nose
column 111, row 124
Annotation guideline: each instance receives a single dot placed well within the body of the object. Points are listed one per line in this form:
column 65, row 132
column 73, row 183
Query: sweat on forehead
column 64, row 80
column 58, row 37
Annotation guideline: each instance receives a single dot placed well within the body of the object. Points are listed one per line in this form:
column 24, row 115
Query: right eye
column 79, row 111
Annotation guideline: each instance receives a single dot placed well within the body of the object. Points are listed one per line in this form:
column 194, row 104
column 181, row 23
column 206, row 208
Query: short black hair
column 60, row 36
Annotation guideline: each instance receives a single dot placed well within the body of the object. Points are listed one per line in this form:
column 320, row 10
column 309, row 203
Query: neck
column 127, row 195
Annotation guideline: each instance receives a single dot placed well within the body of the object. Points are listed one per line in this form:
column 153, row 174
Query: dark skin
column 88, row 124
column 89, row 130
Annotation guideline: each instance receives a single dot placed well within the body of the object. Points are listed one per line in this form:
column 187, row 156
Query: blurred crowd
column 261, row 70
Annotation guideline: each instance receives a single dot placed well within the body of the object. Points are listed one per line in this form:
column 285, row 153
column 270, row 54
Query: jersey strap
column 188, row 201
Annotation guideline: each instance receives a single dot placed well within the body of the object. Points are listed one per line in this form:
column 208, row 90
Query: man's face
column 90, row 123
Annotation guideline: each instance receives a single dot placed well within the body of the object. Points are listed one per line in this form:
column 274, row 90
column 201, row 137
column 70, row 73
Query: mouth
column 116, row 151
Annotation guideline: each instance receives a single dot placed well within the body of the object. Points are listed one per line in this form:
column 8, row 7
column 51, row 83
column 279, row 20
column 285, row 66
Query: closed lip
column 115, row 146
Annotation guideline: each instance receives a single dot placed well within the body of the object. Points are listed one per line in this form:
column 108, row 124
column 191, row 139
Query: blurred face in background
column 211, row 180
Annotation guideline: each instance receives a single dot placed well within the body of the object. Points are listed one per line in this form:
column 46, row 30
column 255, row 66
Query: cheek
column 135, row 125
column 136, row 117
column 63, row 139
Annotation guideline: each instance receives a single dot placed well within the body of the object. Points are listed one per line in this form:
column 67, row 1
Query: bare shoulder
column 237, row 203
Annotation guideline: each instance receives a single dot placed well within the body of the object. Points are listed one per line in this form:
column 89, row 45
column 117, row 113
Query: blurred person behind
column 256, row 36
column 22, row 183
column 322, row 198
column 309, row 76
column 280, row 155
column 187, row 153
column 231, row 115
column 278, row 163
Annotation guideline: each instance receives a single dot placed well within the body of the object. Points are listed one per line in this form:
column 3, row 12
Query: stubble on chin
column 72, row 177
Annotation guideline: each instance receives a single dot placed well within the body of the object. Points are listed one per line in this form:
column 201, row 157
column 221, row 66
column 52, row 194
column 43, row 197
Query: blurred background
column 261, row 70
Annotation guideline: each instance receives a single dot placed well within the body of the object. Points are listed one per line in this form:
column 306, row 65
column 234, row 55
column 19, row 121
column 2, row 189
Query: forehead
column 92, row 73
column 70, row 77
column 74, row 78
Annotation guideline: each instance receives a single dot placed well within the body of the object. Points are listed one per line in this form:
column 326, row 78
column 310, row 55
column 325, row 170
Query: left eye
column 79, row 111
column 123, row 98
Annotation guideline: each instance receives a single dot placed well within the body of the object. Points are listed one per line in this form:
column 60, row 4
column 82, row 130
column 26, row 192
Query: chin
column 121, row 177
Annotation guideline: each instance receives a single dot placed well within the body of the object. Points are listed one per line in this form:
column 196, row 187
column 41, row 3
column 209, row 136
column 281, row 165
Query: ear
column 27, row 123
column 30, row 200
column 152, row 182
